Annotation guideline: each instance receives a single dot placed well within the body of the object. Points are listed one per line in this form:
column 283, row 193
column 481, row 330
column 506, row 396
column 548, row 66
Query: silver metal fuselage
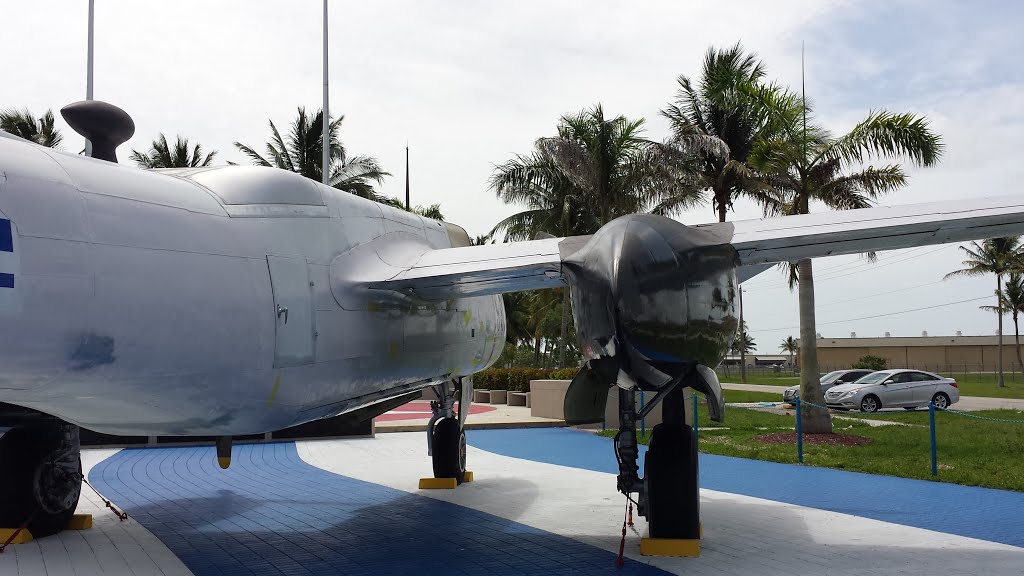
column 148, row 303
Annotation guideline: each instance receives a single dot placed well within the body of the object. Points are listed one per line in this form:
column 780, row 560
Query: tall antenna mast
column 407, row 176
column 325, row 168
column 803, row 97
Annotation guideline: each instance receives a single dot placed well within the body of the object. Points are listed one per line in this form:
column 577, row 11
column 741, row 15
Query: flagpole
column 88, row 66
column 326, row 166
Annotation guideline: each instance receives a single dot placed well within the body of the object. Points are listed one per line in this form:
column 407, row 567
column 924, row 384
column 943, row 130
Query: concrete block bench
column 519, row 399
column 499, row 396
column 481, row 396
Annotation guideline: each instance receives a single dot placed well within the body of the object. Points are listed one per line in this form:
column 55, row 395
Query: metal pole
column 931, row 425
column 743, row 343
column 407, row 209
column 696, row 430
column 88, row 65
column 326, row 166
column 799, row 432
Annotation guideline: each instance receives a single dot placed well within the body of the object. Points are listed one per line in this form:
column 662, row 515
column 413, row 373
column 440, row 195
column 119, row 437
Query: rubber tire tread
column 671, row 474
column 446, row 460
column 21, row 450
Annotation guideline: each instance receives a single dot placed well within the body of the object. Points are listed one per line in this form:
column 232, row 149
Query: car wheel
column 940, row 400
column 870, row 403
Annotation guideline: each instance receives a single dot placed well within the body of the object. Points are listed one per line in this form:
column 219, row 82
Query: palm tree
column 302, row 152
column 22, row 123
column 790, row 345
column 994, row 256
column 1011, row 299
column 806, row 163
column 723, row 109
column 596, row 169
column 161, row 155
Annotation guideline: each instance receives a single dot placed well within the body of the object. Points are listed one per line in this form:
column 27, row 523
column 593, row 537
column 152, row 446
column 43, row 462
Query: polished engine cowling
column 654, row 300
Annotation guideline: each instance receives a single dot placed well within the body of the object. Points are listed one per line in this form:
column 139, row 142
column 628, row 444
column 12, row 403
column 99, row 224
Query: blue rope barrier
column 799, row 433
column 978, row 417
column 931, row 426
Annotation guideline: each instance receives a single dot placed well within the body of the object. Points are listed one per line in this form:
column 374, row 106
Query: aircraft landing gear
column 40, row 477
column 671, row 483
column 446, row 438
column 669, row 493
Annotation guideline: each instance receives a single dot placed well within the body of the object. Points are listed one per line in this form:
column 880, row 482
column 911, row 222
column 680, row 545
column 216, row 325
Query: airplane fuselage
column 211, row 302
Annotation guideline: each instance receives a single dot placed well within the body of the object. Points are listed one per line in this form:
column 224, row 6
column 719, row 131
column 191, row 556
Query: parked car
column 827, row 381
column 894, row 389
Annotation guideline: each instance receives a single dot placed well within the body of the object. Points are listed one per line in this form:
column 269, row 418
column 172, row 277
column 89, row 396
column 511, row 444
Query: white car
column 894, row 389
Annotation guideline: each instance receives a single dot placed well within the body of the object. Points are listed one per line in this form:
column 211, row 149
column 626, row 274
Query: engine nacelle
column 653, row 300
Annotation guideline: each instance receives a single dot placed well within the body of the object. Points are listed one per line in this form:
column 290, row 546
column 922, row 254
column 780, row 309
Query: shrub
column 512, row 379
column 871, row 363
column 564, row 374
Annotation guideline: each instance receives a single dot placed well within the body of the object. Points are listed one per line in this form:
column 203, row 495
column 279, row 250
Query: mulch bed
column 819, row 439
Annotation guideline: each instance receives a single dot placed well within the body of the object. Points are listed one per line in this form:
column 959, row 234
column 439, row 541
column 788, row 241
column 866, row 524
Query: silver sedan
column 894, row 389
column 828, row 381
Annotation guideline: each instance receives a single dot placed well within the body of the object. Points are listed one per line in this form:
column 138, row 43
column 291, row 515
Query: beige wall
column 548, row 396
column 973, row 358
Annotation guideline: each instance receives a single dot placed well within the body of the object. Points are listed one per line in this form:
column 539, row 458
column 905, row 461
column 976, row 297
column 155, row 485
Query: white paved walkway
column 743, row 535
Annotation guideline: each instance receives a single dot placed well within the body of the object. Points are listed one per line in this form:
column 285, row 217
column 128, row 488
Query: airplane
column 233, row 300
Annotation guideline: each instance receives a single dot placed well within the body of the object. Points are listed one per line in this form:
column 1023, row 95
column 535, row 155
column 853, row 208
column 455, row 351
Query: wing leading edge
column 498, row 268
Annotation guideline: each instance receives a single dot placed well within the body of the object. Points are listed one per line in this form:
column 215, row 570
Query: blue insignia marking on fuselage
column 6, row 237
column 6, row 280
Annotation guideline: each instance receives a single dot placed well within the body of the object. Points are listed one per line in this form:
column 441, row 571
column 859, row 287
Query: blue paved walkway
column 273, row 514
column 995, row 515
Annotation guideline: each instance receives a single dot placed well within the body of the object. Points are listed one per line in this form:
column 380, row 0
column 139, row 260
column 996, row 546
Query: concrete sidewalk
column 413, row 417
column 966, row 403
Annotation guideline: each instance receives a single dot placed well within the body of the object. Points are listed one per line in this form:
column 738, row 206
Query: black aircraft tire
column 25, row 454
column 449, row 448
column 670, row 474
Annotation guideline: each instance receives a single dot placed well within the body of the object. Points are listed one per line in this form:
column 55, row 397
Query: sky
column 470, row 84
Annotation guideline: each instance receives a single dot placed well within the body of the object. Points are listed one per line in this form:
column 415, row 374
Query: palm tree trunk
column 815, row 420
column 1000, row 382
column 565, row 327
column 536, row 350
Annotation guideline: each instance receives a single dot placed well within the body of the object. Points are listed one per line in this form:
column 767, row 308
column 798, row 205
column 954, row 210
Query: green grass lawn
column 744, row 396
column 974, row 384
column 970, row 451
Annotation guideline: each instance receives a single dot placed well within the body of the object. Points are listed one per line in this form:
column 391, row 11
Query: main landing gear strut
column 446, row 437
column 669, row 492
column 40, row 476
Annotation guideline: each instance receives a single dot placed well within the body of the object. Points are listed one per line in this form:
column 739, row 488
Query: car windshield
column 874, row 378
column 831, row 376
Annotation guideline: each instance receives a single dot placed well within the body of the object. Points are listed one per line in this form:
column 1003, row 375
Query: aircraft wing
column 791, row 238
column 513, row 267
column 485, row 269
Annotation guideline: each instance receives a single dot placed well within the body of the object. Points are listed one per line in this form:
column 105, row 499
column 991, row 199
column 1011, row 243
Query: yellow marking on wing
column 466, row 316
column 273, row 391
